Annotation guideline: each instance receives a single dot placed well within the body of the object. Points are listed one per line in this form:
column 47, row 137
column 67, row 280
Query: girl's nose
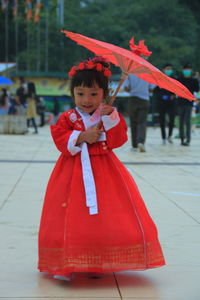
column 87, row 99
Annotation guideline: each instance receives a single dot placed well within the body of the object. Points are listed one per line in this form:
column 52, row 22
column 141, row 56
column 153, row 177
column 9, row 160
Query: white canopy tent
column 6, row 66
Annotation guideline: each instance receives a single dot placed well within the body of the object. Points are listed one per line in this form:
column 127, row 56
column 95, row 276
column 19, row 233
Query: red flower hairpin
column 72, row 72
column 93, row 63
column 81, row 66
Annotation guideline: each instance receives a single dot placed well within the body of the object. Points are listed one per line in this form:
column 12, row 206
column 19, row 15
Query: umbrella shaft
column 123, row 78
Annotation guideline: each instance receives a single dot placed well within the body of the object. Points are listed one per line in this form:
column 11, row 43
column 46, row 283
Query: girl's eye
column 80, row 94
column 94, row 94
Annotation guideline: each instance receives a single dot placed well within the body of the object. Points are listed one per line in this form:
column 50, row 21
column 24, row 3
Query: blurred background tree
column 169, row 28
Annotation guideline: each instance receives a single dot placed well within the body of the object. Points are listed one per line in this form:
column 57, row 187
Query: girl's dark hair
column 88, row 78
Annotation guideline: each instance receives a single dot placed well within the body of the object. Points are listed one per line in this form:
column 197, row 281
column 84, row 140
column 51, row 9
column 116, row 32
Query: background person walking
column 166, row 101
column 4, row 102
column 185, row 106
column 31, row 105
column 138, row 109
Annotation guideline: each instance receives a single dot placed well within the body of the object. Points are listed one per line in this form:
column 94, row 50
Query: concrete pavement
column 168, row 177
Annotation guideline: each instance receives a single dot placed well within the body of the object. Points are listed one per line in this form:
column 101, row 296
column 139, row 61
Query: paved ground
column 169, row 180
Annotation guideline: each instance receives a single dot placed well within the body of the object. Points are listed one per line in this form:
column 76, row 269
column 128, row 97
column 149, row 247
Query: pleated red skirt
column 122, row 236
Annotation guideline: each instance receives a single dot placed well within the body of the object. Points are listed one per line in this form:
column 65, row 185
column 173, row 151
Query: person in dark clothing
column 4, row 102
column 21, row 93
column 41, row 110
column 56, row 109
column 185, row 106
column 166, row 106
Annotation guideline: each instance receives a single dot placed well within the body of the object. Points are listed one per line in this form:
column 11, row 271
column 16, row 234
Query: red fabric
column 122, row 236
column 131, row 63
column 139, row 49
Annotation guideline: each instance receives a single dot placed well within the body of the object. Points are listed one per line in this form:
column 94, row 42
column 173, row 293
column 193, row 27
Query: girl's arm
column 89, row 136
column 65, row 138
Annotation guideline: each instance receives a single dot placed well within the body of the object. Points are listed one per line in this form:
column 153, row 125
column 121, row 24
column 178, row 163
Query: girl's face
column 88, row 99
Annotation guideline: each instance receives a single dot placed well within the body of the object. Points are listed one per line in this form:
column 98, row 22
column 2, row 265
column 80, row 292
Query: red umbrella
column 130, row 62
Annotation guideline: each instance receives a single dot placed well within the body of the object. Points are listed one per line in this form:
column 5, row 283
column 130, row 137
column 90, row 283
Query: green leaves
column 170, row 30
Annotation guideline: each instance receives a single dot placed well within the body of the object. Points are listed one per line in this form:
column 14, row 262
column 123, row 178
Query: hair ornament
column 81, row 66
column 90, row 64
column 72, row 72
column 98, row 63
column 99, row 67
column 107, row 72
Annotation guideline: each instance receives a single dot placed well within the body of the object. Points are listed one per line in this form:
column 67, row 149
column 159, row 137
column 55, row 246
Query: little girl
column 94, row 218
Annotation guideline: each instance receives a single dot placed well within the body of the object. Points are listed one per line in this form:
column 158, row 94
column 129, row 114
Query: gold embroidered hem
column 106, row 259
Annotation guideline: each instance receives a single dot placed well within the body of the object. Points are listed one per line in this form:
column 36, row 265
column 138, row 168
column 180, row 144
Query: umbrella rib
column 119, row 59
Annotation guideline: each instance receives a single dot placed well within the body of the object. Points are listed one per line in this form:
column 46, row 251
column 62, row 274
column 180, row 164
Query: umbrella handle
column 99, row 124
column 123, row 78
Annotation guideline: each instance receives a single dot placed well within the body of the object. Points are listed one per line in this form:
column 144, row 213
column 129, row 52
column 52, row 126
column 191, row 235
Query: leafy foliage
column 169, row 28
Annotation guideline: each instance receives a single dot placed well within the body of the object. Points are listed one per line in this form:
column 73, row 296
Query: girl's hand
column 90, row 136
column 106, row 109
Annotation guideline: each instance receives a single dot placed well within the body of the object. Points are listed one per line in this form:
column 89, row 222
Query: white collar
column 90, row 120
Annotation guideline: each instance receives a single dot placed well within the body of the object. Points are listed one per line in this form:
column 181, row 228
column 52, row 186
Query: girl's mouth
column 87, row 106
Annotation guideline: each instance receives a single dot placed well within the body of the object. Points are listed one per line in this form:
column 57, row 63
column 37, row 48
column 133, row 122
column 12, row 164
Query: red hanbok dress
column 112, row 232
